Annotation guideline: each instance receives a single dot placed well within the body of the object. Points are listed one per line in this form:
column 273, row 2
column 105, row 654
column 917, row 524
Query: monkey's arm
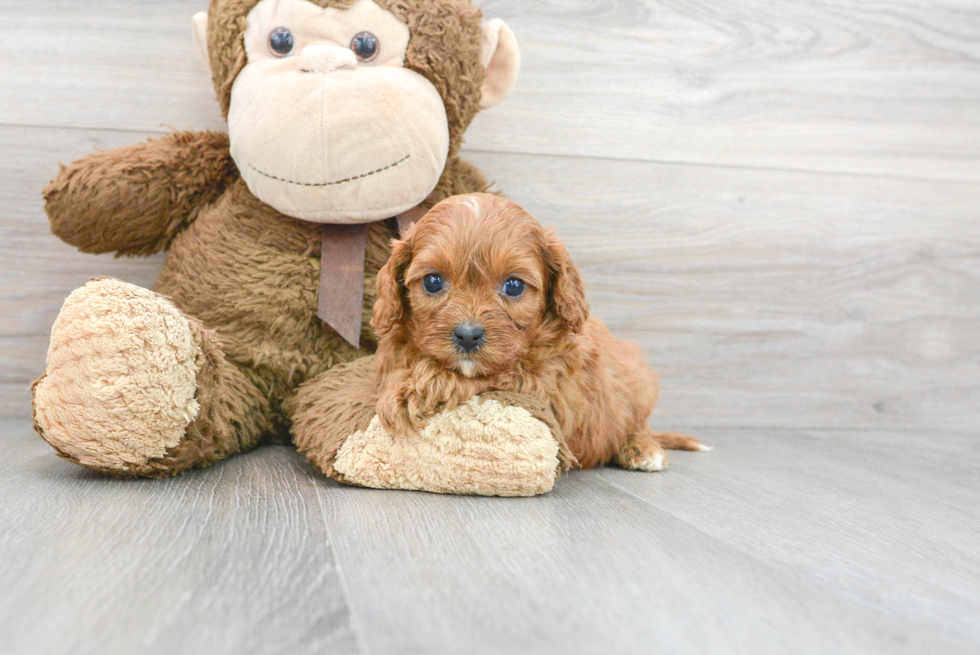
column 136, row 199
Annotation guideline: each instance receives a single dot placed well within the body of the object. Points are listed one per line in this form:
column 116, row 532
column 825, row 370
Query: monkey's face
column 326, row 123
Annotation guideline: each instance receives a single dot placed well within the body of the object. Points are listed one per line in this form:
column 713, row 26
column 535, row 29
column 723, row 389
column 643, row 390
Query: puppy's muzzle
column 469, row 336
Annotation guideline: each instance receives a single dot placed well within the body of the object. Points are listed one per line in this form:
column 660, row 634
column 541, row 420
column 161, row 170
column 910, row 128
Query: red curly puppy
column 478, row 296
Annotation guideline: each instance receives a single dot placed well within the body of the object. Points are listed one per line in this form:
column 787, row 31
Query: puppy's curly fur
column 542, row 342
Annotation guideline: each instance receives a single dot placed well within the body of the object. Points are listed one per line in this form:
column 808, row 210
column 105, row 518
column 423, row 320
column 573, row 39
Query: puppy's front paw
column 402, row 412
column 418, row 410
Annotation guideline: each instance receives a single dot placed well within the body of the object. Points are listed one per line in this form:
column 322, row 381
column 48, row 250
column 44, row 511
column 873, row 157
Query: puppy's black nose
column 469, row 336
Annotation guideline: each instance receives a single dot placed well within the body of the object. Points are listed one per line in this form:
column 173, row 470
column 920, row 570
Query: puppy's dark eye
column 281, row 42
column 514, row 287
column 432, row 283
column 365, row 45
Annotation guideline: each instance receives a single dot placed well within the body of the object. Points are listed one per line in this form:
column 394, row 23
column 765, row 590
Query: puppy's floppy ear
column 566, row 293
column 391, row 307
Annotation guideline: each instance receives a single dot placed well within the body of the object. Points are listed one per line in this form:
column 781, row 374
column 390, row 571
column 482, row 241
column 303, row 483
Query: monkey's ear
column 501, row 59
column 200, row 27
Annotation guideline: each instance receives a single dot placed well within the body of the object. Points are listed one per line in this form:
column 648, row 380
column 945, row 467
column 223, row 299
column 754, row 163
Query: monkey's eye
column 432, row 283
column 514, row 287
column 365, row 45
column 281, row 42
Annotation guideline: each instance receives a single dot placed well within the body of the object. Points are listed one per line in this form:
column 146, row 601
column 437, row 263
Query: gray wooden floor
column 779, row 199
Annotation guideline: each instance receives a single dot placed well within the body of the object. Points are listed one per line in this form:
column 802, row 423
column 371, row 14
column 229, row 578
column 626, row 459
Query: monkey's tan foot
column 497, row 444
column 120, row 386
column 642, row 453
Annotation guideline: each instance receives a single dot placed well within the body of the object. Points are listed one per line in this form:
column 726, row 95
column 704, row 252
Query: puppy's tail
column 678, row 441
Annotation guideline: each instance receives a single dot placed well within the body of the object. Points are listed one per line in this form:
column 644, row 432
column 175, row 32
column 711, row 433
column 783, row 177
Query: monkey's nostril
column 469, row 336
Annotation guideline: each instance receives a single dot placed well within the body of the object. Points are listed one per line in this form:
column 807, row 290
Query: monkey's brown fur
column 245, row 275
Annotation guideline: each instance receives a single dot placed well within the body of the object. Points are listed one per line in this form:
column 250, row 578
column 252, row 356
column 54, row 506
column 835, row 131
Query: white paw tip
column 654, row 463
column 705, row 448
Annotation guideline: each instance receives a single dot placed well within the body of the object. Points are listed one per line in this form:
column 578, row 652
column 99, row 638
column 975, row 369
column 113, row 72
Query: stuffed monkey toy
column 345, row 121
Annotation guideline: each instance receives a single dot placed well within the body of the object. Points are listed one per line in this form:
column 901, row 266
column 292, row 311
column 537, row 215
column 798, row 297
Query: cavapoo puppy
column 477, row 296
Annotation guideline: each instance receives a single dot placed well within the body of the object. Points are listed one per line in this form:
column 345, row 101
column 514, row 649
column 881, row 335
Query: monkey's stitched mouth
column 335, row 182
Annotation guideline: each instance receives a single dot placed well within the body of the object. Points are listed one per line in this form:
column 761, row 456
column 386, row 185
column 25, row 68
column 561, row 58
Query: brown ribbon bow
column 342, row 273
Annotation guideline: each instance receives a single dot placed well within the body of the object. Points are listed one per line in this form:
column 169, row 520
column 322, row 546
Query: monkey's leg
column 133, row 387
column 497, row 444
column 330, row 407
